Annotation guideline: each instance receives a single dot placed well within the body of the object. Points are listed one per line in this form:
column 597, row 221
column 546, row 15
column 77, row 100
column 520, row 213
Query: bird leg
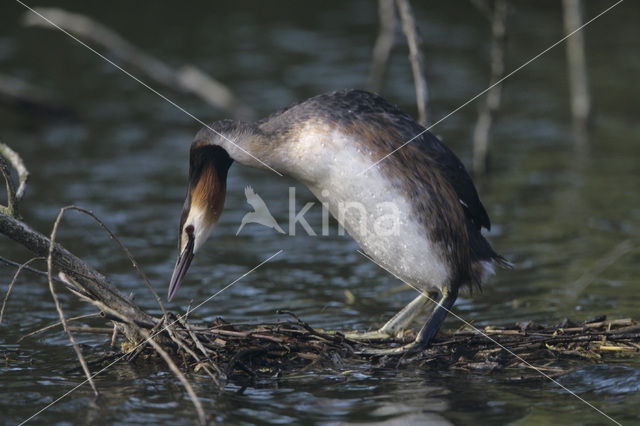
column 428, row 331
column 399, row 322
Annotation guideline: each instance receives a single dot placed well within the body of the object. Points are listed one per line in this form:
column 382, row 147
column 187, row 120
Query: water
column 556, row 212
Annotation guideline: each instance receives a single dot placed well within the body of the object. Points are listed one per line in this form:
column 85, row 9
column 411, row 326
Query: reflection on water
column 556, row 213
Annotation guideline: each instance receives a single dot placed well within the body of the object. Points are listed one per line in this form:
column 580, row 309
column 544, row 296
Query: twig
column 493, row 99
column 13, row 281
column 199, row 345
column 181, row 343
column 30, row 269
column 137, row 350
column 187, row 78
column 194, row 398
column 99, row 330
column 114, row 336
column 18, row 164
column 50, row 326
column 126, row 251
column 76, row 348
column 384, row 44
column 91, row 282
column 94, row 285
column 415, row 56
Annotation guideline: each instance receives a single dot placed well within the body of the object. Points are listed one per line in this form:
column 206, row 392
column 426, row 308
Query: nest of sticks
column 247, row 353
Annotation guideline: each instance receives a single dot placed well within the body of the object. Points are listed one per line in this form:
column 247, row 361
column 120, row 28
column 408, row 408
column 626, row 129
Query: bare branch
column 56, row 324
column 10, row 208
column 188, row 78
column 13, row 281
column 415, row 55
column 174, row 368
column 13, row 195
column 182, row 319
column 63, row 320
column 18, row 164
column 126, row 251
column 494, row 97
column 384, row 44
column 88, row 279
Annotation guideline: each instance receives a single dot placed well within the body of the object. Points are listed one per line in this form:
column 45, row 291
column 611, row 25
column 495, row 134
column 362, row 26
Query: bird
column 260, row 213
column 352, row 146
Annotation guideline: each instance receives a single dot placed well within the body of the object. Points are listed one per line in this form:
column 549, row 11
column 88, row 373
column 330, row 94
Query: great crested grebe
column 329, row 143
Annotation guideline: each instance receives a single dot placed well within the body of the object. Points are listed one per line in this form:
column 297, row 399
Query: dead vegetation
column 291, row 346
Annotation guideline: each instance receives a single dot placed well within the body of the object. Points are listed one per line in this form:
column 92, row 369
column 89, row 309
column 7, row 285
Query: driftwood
column 187, row 78
column 248, row 353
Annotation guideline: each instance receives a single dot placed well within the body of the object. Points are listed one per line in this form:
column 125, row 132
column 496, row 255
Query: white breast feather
column 330, row 163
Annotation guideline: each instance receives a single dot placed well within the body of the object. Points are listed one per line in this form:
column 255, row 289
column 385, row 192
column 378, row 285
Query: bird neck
column 244, row 142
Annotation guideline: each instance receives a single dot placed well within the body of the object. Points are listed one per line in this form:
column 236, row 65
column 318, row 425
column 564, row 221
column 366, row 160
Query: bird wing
column 457, row 175
column 425, row 149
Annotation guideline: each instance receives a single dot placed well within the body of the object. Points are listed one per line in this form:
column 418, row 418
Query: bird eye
column 189, row 229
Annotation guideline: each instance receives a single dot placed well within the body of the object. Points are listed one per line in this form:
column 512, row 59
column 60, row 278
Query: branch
column 188, row 78
column 13, row 282
column 88, row 279
column 63, row 319
column 492, row 101
column 126, row 252
column 415, row 55
column 176, row 371
column 13, row 195
column 384, row 44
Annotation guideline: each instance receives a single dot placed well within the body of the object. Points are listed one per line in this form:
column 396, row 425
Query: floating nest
column 254, row 352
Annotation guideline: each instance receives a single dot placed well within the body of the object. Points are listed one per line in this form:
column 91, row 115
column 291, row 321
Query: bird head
column 208, row 167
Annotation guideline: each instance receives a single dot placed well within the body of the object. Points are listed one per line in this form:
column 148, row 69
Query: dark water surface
column 557, row 212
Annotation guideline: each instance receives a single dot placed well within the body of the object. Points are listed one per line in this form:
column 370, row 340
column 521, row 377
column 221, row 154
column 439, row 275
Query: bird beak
column 180, row 270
